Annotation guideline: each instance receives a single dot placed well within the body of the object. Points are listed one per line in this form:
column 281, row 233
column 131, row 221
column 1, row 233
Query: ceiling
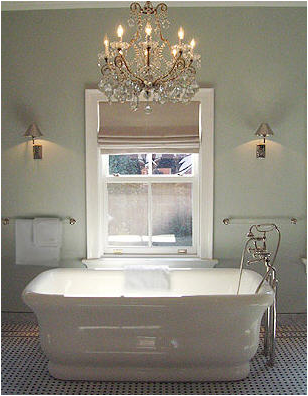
column 54, row 5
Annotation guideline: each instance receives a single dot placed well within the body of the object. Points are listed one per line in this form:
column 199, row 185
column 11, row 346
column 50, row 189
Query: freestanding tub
column 91, row 328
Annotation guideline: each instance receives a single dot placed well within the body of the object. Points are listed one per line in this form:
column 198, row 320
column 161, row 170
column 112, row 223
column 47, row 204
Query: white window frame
column 94, row 197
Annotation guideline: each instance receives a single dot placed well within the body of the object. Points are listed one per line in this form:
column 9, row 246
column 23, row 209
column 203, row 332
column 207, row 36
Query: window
column 149, row 201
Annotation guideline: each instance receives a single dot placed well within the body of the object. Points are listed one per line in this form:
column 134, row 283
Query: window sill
column 171, row 262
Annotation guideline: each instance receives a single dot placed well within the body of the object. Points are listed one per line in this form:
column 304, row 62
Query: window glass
column 152, row 211
column 127, row 214
column 172, row 164
column 161, row 164
column 128, row 164
column 172, row 214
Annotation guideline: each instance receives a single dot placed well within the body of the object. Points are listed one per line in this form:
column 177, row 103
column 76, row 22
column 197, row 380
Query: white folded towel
column 27, row 253
column 141, row 277
column 47, row 232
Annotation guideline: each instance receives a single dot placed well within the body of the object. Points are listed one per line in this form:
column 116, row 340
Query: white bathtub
column 91, row 328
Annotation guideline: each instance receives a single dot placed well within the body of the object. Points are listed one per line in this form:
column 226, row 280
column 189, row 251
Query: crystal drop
column 101, row 85
column 107, row 88
column 147, row 94
column 137, row 88
column 165, row 23
column 148, row 109
column 156, row 97
column 134, row 103
column 189, row 92
column 131, row 22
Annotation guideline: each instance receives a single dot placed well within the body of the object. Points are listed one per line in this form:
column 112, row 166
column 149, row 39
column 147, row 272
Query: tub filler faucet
column 256, row 251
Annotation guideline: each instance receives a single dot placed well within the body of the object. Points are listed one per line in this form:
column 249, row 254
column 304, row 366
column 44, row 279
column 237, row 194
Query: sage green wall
column 255, row 58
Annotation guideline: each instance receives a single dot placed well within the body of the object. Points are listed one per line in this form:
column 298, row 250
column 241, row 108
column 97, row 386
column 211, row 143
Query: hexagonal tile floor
column 24, row 370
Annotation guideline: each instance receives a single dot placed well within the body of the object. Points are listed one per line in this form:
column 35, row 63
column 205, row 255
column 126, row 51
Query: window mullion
column 154, row 179
column 149, row 157
column 106, row 211
column 150, row 218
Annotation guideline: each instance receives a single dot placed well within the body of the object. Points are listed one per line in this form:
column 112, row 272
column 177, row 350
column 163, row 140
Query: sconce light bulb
column 193, row 43
column 174, row 52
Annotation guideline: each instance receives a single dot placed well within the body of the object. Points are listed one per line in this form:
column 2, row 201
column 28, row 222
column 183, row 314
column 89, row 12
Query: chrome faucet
column 256, row 247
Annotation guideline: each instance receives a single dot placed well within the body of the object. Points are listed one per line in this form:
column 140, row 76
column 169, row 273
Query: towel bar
column 10, row 220
column 234, row 220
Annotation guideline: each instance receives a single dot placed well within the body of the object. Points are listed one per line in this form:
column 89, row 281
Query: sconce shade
column 264, row 130
column 33, row 131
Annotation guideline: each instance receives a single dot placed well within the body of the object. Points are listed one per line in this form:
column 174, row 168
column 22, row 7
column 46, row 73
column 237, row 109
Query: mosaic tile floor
column 24, row 370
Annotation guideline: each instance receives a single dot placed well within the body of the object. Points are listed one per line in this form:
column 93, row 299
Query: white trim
column 196, row 204
column 92, row 96
column 206, row 98
column 206, row 169
column 59, row 5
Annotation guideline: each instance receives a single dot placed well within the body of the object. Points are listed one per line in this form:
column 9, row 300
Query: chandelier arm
column 148, row 8
column 127, row 68
column 108, row 67
column 181, row 72
column 177, row 61
column 136, row 35
column 163, row 38
column 162, row 6
column 133, row 7
column 170, row 71
column 159, row 26
column 134, row 39
column 175, row 77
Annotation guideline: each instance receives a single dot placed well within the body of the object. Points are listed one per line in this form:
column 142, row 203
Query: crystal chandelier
column 148, row 65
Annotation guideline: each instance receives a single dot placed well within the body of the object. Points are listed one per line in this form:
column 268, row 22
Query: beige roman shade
column 170, row 128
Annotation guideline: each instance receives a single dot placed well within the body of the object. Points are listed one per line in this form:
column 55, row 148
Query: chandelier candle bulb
column 106, row 43
column 120, row 32
column 140, row 67
column 192, row 45
column 148, row 30
column 181, row 34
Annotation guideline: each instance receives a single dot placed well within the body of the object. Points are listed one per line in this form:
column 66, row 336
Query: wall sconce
column 34, row 132
column 263, row 131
